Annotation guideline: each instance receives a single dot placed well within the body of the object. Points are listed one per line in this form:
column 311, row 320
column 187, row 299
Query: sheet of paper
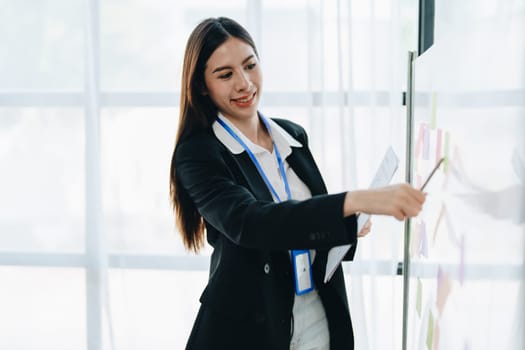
column 384, row 174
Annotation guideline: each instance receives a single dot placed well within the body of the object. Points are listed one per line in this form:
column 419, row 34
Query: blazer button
column 266, row 268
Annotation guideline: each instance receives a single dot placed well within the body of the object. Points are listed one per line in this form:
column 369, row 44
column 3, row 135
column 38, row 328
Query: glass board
column 467, row 247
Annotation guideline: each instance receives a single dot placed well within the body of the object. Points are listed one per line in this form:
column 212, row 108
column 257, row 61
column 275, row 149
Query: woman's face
column 233, row 79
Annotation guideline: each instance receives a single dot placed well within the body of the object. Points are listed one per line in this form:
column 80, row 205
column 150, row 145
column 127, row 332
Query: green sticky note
column 430, row 331
column 419, row 297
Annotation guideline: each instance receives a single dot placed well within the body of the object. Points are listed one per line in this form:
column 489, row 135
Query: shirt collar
column 282, row 139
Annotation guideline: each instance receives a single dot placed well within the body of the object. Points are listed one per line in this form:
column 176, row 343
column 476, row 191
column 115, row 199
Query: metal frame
column 408, row 178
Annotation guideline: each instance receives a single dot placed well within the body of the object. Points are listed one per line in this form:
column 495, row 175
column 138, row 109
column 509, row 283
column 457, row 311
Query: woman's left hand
column 366, row 229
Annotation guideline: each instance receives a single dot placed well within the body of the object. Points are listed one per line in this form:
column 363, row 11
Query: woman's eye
column 251, row 66
column 225, row 76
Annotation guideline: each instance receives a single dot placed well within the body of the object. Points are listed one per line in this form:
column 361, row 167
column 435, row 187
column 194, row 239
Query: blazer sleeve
column 201, row 170
column 351, row 227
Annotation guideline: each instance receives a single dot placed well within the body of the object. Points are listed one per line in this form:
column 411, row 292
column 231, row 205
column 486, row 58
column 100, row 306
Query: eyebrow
column 218, row 69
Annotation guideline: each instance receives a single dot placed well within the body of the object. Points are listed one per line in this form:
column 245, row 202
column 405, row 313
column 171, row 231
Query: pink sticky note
column 446, row 146
column 436, row 336
column 426, row 141
column 419, row 140
column 461, row 272
column 419, row 181
column 443, row 289
column 439, row 136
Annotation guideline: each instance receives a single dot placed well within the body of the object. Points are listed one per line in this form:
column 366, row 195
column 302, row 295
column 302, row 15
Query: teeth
column 244, row 100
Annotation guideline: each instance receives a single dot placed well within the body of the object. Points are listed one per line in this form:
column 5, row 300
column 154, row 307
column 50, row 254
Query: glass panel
column 137, row 145
column 42, row 308
column 285, row 65
column 43, row 201
column 42, row 45
column 467, row 245
column 143, row 50
column 375, row 309
column 154, row 309
column 310, row 48
column 375, row 130
column 461, row 318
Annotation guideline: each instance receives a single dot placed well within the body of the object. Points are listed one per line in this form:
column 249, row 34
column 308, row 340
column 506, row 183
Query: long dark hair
column 197, row 112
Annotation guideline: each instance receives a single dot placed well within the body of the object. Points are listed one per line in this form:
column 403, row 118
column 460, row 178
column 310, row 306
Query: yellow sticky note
column 430, row 331
column 419, row 297
column 446, row 151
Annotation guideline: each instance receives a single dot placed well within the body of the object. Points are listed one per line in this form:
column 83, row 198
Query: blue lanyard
column 301, row 286
column 256, row 162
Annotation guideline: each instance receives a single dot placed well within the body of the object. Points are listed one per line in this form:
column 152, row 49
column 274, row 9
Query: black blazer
column 248, row 301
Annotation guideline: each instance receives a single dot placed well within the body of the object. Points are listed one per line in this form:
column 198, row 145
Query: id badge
column 302, row 265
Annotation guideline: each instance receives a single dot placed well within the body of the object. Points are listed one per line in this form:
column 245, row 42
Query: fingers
column 410, row 202
column 366, row 229
column 416, row 200
column 399, row 215
column 399, row 201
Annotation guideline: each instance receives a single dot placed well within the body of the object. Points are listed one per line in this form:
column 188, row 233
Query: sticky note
column 419, row 181
column 444, row 286
column 439, row 136
column 426, row 142
column 430, row 331
column 419, row 141
column 446, row 146
column 436, row 335
column 461, row 272
column 419, row 297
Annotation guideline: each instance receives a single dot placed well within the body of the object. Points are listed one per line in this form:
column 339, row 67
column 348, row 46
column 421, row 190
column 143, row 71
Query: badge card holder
column 302, row 271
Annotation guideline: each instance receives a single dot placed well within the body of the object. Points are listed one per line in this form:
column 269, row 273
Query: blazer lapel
column 299, row 160
column 252, row 177
column 304, row 166
column 302, row 163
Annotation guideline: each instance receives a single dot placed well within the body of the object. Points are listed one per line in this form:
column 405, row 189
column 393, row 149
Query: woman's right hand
column 400, row 201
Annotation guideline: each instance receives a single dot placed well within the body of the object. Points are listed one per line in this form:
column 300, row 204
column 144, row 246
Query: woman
column 252, row 184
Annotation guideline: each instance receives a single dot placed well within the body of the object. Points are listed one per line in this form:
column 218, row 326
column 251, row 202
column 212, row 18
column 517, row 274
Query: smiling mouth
column 245, row 99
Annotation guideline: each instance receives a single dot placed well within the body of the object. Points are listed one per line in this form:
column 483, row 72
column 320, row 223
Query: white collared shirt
column 268, row 161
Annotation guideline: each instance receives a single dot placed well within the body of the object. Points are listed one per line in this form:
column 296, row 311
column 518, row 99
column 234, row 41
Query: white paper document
column 383, row 176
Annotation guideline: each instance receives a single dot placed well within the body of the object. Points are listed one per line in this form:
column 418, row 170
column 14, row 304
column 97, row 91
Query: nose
column 243, row 82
